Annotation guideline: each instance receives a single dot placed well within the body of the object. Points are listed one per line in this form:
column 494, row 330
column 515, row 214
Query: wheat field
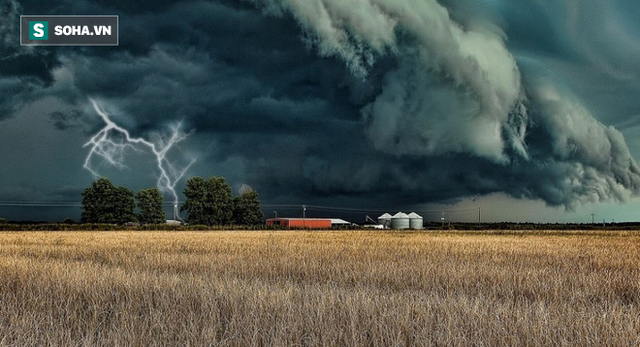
column 319, row 288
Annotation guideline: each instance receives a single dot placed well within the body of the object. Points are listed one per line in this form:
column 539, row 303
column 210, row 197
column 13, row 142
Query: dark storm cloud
column 24, row 71
column 21, row 61
column 457, row 90
column 69, row 193
column 362, row 101
column 66, row 120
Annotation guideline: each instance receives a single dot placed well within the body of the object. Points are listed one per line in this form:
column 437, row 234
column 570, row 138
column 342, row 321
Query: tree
column 124, row 206
column 196, row 204
column 246, row 209
column 102, row 202
column 209, row 201
column 150, row 205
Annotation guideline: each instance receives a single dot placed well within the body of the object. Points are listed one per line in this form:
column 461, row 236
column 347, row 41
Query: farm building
column 311, row 223
column 174, row 222
column 340, row 223
column 401, row 221
column 385, row 220
column 415, row 221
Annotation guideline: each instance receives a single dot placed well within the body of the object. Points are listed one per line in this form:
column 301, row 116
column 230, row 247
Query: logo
column 69, row 30
column 38, row 30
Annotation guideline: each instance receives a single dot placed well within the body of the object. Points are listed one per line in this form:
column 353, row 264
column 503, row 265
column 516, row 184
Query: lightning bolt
column 112, row 149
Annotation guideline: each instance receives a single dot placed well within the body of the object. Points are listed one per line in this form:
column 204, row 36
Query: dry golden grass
column 319, row 289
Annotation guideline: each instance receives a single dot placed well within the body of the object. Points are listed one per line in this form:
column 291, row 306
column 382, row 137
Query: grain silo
column 415, row 221
column 385, row 220
column 400, row 221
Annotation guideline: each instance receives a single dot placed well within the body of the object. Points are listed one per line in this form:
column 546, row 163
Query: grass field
column 291, row 288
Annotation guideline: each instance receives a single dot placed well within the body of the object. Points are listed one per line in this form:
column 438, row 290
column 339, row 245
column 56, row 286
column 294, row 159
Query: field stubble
column 319, row 289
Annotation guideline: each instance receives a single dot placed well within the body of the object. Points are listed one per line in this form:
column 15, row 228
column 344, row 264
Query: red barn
column 311, row 223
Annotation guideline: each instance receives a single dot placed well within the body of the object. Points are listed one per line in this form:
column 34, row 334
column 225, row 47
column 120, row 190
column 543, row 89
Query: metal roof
column 339, row 221
column 286, row 218
column 414, row 215
column 333, row 220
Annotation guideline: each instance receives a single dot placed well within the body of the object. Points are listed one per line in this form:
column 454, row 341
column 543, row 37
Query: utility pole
column 593, row 218
column 304, row 216
column 479, row 209
column 442, row 219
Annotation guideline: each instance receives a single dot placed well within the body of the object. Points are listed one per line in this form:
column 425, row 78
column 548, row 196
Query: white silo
column 416, row 221
column 385, row 220
column 400, row 221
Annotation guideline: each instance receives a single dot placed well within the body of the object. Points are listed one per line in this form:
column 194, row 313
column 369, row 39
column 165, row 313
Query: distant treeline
column 208, row 202
column 431, row 226
column 534, row 226
column 46, row 226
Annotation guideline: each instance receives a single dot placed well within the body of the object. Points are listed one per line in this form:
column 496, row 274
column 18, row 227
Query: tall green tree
column 246, row 209
column 209, row 202
column 150, row 205
column 125, row 206
column 196, row 204
column 102, row 202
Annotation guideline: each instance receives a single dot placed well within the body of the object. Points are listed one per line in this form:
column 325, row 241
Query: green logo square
column 38, row 30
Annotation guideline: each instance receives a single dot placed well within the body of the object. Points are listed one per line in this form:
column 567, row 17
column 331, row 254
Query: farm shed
column 312, row 223
column 340, row 223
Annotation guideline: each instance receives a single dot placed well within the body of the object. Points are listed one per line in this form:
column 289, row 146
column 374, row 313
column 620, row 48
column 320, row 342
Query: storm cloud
column 356, row 102
column 457, row 89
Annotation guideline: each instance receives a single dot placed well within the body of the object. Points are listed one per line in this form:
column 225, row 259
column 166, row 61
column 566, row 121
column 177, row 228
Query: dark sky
column 367, row 105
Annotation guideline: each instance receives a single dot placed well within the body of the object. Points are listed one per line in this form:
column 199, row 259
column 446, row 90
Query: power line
column 362, row 209
column 55, row 203
column 37, row 203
